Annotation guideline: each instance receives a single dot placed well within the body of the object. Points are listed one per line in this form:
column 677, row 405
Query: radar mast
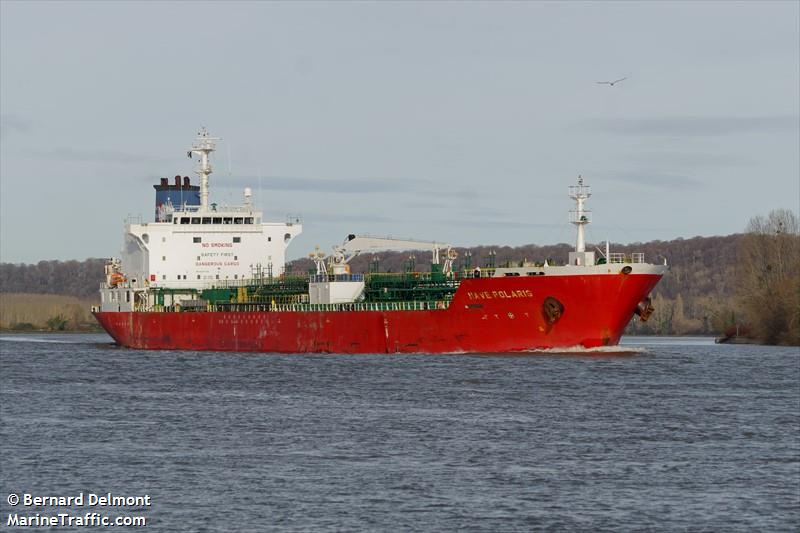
column 580, row 217
column 203, row 146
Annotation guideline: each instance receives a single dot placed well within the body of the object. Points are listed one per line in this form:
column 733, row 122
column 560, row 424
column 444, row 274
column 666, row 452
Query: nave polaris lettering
column 163, row 293
column 485, row 295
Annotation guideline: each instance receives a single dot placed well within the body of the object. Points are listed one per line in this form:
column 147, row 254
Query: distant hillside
column 696, row 296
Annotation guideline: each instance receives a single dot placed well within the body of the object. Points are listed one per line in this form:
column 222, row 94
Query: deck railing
column 306, row 308
column 355, row 306
column 615, row 257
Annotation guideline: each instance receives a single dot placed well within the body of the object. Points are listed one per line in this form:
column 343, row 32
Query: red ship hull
column 502, row 314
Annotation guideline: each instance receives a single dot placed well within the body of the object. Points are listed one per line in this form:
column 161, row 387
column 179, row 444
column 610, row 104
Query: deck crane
column 353, row 245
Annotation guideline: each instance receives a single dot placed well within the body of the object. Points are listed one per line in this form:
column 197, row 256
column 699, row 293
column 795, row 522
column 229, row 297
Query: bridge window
column 238, row 220
column 197, row 239
column 206, row 220
column 237, row 239
column 227, row 220
column 217, row 220
column 195, row 220
column 248, row 220
column 185, row 220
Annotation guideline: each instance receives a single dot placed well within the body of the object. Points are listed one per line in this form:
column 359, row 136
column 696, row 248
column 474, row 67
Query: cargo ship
column 207, row 276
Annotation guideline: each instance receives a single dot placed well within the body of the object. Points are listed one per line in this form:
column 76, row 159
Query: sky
column 460, row 122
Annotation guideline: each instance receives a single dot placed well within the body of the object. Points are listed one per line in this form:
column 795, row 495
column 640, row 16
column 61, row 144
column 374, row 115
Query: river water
column 658, row 434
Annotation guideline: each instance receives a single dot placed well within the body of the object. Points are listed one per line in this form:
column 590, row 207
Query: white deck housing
column 195, row 246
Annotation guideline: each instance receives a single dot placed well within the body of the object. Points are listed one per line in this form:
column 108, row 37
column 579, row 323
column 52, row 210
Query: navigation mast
column 580, row 217
column 203, row 146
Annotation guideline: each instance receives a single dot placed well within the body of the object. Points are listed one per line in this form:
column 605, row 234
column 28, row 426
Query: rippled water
column 659, row 434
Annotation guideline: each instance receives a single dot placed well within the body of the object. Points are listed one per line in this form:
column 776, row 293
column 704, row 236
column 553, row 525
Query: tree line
column 73, row 278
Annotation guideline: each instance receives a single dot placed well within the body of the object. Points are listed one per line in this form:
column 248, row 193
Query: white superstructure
column 193, row 247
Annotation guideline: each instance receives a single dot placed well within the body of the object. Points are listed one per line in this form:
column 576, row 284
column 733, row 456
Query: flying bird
column 611, row 83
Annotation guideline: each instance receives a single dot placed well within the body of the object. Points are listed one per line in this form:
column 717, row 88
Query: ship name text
column 491, row 295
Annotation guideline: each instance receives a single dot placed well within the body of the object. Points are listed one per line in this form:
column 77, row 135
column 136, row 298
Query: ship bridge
column 194, row 243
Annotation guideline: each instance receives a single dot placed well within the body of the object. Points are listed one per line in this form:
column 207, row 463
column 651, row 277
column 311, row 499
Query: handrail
column 323, row 278
column 221, row 209
column 432, row 305
column 616, row 257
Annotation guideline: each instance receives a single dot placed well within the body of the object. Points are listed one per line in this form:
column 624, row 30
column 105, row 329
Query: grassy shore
column 46, row 312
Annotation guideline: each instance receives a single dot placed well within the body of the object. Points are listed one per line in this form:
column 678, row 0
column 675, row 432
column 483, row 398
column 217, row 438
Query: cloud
column 323, row 185
column 696, row 126
column 463, row 194
column 348, row 217
column 689, row 159
column 414, row 187
column 662, row 180
column 95, row 156
column 10, row 124
column 423, row 204
column 495, row 223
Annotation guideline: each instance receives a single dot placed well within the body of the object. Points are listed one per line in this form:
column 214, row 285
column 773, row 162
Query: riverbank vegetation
column 46, row 312
column 769, row 278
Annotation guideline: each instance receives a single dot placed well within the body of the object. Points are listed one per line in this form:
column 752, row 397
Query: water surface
column 659, row 433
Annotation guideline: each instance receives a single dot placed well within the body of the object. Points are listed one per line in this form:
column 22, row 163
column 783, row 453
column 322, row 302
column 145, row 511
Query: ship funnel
column 177, row 194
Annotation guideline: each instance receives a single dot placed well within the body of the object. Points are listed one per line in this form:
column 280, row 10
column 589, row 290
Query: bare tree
column 769, row 277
